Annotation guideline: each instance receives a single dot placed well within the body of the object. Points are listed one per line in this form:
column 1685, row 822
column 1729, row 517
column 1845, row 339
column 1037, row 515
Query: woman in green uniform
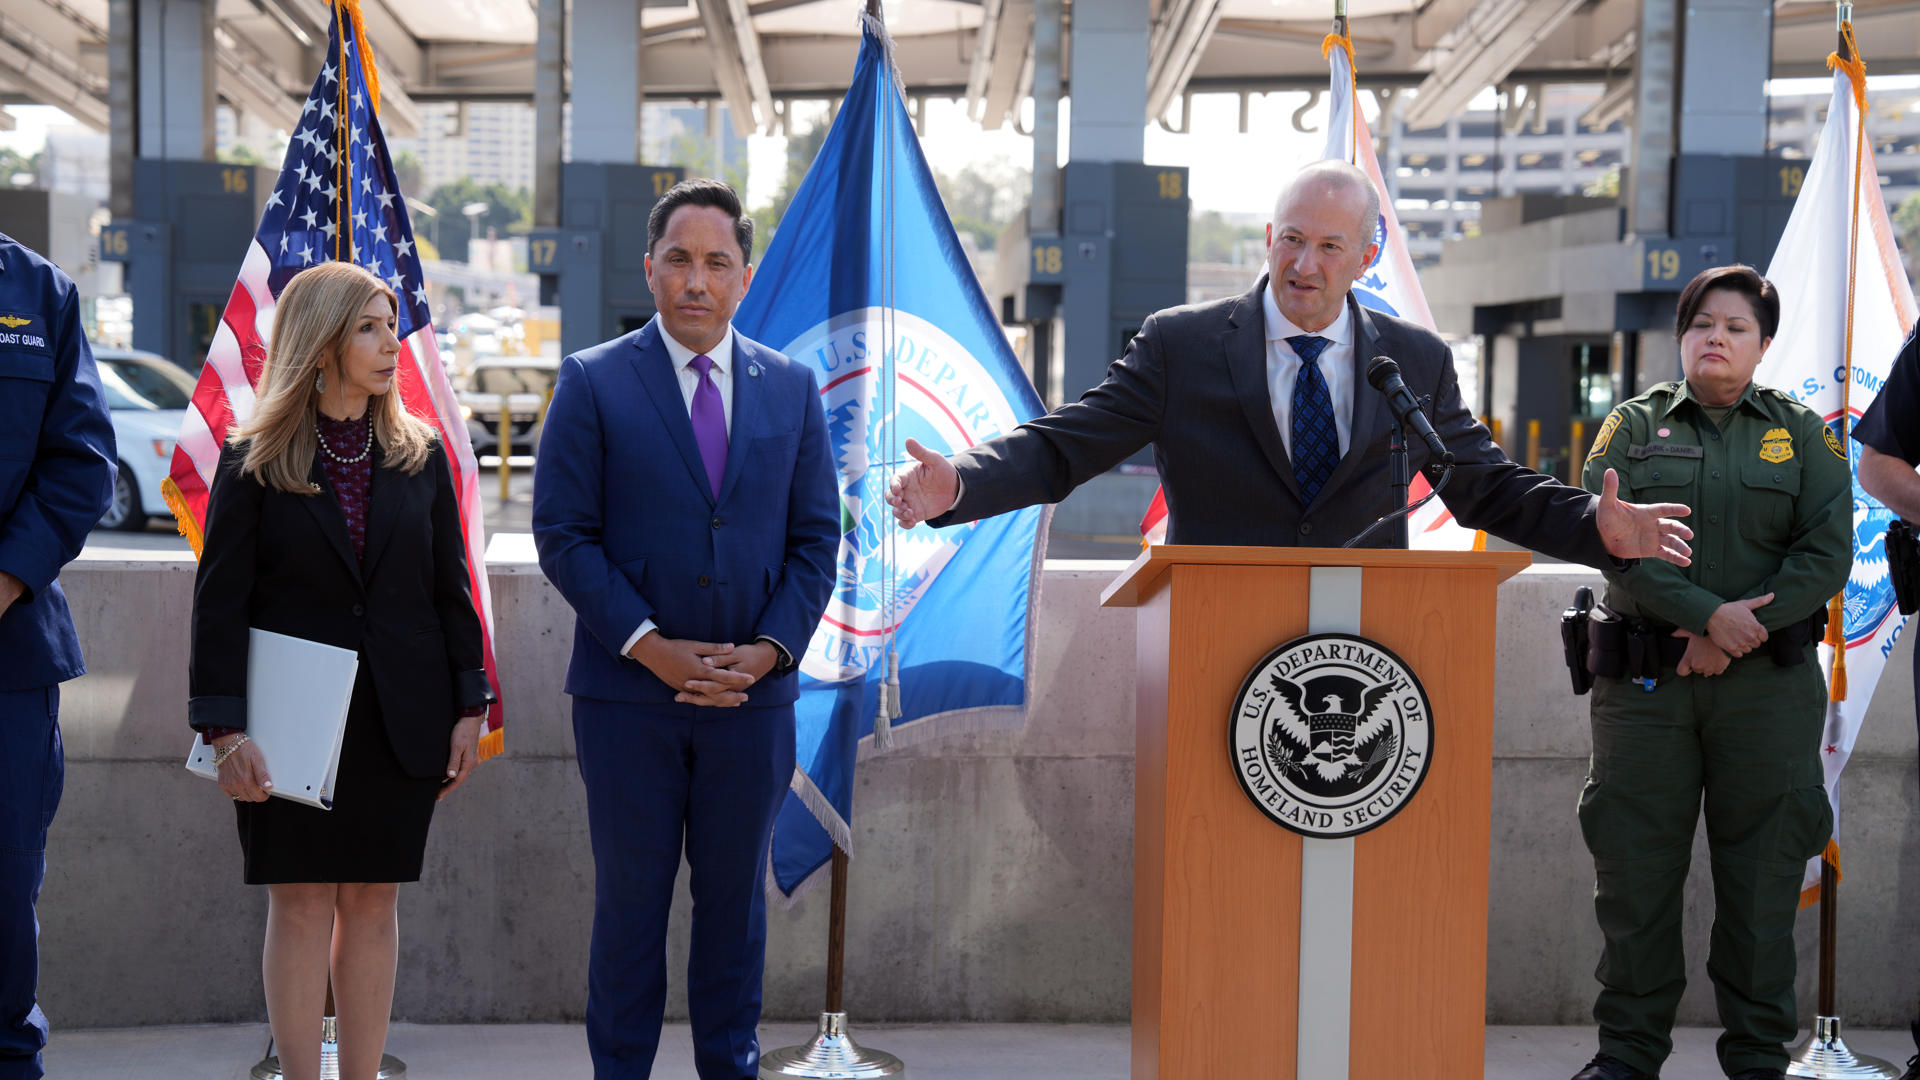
column 1707, row 688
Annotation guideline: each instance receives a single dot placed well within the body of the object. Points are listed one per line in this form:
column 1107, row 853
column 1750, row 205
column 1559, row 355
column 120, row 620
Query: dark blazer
column 629, row 529
column 278, row 561
column 1193, row 383
column 56, row 462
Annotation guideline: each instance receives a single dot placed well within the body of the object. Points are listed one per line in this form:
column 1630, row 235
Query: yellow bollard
column 506, row 447
column 1576, row 451
column 1493, row 428
column 1533, row 445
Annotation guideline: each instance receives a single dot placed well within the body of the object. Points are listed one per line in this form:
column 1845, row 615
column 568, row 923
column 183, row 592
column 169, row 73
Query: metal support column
column 549, row 92
column 1649, row 179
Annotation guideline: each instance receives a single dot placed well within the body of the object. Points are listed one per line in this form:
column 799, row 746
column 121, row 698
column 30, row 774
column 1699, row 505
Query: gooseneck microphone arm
column 1384, row 374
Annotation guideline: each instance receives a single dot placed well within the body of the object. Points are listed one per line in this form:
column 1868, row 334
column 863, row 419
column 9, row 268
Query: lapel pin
column 753, row 370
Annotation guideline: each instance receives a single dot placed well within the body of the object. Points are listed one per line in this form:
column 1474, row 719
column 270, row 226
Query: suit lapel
column 389, row 487
column 325, row 508
column 1366, row 401
column 1245, row 345
column 746, row 413
column 655, row 368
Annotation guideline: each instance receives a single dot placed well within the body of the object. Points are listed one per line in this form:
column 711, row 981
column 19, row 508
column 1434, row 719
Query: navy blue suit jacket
column 629, row 529
column 57, row 462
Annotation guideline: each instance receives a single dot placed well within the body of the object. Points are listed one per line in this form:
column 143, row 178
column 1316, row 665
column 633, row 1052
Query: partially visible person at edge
column 333, row 518
column 1729, row 710
column 1889, row 438
column 56, row 479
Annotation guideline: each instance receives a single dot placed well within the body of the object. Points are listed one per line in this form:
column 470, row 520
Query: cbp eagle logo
column 13, row 322
column 1869, row 594
column 1332, row 740
column 1331, row 734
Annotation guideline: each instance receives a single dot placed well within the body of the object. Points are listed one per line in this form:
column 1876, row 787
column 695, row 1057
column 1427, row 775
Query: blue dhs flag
column 867, row 282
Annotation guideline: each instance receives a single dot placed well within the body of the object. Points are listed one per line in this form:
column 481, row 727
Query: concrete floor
column 931, row 1051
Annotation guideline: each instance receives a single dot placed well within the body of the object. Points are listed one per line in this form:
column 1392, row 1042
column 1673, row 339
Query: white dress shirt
column 722, row 374
column 1283, row 366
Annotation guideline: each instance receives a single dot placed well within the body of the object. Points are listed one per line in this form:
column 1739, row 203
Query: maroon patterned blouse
column 352, row 481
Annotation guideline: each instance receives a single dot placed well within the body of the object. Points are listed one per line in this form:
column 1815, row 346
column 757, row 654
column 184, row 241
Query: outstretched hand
column 1642, row 530
column 925, row 491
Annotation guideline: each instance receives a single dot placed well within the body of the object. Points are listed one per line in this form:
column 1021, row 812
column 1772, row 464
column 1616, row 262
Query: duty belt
column 1620, row 647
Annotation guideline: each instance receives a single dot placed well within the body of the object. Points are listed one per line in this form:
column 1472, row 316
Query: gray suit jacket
column 1193, row 383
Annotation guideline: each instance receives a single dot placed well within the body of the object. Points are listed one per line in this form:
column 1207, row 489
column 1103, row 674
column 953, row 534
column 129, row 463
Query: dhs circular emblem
column 1331, row 735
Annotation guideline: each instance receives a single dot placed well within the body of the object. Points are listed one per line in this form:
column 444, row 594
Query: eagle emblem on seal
column 1346, row 738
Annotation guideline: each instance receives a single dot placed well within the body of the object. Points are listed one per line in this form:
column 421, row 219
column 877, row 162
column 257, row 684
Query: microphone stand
column 1399, row 473
column 1400, row 477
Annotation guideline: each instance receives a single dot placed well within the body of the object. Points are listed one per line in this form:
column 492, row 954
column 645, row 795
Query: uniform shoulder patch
column 1833, row 443
column 1605, row 435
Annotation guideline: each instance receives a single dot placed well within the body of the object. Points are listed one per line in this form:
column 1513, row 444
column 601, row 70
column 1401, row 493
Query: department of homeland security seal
column 945, row 398
column 1331, row 735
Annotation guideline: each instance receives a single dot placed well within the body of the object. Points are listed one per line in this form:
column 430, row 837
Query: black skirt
column 376, row 831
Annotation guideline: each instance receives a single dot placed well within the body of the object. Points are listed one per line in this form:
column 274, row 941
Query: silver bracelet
column 221, row 753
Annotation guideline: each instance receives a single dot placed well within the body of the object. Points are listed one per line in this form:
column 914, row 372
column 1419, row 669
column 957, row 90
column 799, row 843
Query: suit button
column 717, row 523
column 358, row 611
column 1776, row 478
column 1713, row 519
column 1716, row 474
column 705, row 581
column 1715, row 436
column 1656, row 476
column 1306, row 528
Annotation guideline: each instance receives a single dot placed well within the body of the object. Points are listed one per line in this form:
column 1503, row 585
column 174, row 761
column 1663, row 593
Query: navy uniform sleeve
column 71, row 480
column 1891, row 424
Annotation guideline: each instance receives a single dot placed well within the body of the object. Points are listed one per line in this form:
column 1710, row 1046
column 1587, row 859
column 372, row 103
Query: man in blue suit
column 684, row 504
column 56, row 478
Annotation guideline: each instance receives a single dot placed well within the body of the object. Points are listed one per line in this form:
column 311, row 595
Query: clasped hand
column 702, row 672
column 1732, row 630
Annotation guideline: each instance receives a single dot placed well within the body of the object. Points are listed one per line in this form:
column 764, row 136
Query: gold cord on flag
column 1341, row 40
column 1847, row 59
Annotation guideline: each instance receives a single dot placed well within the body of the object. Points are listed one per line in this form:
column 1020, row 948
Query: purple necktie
column 710, row 423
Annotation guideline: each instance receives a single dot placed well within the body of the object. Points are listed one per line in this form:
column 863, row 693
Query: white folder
column 298, row 692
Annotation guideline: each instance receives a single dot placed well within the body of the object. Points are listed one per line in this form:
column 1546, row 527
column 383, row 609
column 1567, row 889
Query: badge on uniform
column 1833, row 444
column 13, row 322
column 1776, row 446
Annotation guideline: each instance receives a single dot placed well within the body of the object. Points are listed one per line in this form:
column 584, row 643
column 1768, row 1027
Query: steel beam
column 734, row 47
column 50, row 76
column 548, row 95
column 1179, row 38
column 1493, row 39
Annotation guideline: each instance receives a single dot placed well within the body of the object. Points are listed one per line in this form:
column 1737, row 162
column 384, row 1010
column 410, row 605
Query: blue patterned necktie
column 1315, row 441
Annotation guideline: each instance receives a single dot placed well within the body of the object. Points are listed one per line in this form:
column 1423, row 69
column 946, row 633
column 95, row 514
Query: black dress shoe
column 1608, row 1067
column 1913, row 1063
column 1759, row 1074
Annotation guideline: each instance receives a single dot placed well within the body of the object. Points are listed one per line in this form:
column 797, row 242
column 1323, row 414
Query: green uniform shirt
column 1772, row 500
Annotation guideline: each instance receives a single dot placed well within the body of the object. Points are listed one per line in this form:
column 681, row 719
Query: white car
column 148, row 395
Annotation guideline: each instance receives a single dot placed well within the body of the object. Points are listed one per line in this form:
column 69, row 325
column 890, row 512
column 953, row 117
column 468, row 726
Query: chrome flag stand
column 1824, row 1054
column 391, row 1068
column 832, row 1054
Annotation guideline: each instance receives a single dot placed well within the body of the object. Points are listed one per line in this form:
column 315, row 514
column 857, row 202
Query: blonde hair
column 311, row 325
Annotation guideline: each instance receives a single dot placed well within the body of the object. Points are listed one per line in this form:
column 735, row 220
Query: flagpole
column 1824, row 1055
column 832, row 1054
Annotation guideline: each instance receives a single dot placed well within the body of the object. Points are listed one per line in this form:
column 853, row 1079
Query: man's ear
column 746, row 280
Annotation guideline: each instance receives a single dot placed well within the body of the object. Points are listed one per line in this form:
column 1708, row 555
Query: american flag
column 336, row 198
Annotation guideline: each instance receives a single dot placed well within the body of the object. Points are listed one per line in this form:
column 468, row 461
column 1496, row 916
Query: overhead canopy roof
column 751, row 52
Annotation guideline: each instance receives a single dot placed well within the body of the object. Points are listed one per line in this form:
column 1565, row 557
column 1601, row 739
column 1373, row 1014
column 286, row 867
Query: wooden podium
column 1260, row 953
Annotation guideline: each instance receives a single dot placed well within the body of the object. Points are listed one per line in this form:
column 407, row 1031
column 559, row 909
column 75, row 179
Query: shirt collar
column 1279, row 327
column 721, row 354
column 1748, row 399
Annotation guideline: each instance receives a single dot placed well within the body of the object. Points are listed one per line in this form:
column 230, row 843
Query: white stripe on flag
column 197, row 441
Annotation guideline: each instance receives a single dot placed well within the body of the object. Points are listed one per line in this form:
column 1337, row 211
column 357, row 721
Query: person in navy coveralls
column 56, row 479
column 685, row 505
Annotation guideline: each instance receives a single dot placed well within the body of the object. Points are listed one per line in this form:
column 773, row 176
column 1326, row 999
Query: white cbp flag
column 1389, row 284
column 1809, row 359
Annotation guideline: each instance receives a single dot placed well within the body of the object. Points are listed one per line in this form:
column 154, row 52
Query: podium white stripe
column 1326, row 882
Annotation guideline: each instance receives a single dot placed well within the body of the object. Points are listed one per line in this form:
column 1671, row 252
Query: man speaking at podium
column 1263, row 430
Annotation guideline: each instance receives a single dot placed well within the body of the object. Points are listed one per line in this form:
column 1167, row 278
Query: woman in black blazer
column 333, row 518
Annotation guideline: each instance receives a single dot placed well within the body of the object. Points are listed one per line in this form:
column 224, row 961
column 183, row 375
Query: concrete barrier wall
column 992, row 872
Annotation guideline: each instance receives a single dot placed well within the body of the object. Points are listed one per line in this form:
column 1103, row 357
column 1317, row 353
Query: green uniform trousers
column 1749, row 741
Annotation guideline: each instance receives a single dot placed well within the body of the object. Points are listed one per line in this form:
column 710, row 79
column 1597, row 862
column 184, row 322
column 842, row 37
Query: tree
column 984, row 196
column 410, row 173
column 696, row 154
column 508, row 210
column 240, row 154
column 1906, row 222
column 14, row 164
column 801, row 150
column 1213, row 239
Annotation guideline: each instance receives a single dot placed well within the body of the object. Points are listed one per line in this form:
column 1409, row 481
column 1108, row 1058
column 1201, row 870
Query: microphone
column 1384, row 374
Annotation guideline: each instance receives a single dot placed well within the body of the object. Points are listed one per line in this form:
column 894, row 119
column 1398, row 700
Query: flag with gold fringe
column 1845, row 309
column 336, row 198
